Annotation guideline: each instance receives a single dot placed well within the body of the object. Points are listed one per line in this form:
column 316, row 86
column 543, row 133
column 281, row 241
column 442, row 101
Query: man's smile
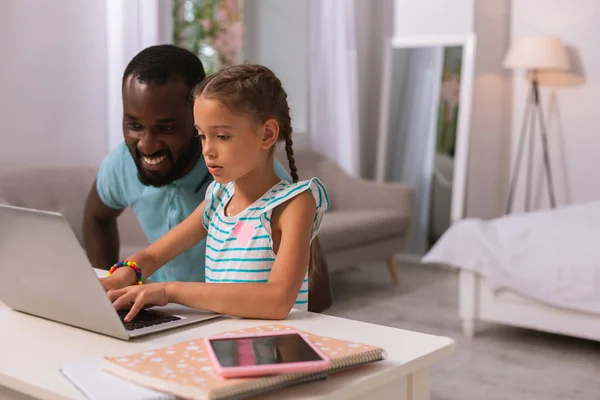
column 153, row 160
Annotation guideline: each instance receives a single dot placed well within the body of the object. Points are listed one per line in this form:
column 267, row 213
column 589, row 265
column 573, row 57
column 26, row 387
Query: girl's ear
column 270, row 133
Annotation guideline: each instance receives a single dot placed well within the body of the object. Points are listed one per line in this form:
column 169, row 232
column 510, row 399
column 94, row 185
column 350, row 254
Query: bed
column 537, row 270
column 478, row 302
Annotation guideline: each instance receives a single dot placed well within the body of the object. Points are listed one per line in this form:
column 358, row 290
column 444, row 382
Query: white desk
column 32, row 350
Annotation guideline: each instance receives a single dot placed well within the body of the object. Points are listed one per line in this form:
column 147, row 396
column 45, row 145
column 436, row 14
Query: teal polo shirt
column 158, row 210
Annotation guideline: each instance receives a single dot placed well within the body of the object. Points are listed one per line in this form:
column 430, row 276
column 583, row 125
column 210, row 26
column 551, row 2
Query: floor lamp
column 534, row 54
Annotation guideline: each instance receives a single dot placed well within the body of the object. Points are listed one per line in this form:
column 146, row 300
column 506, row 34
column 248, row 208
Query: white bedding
column 550, row 255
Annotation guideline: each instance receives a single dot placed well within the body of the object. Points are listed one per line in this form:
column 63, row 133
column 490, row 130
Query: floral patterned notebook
column 185, row 370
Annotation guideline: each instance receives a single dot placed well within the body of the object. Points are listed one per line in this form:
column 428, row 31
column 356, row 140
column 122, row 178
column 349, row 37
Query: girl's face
column 233, row 146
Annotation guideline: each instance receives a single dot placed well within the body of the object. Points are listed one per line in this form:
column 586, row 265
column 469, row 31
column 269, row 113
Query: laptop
column 45, row 272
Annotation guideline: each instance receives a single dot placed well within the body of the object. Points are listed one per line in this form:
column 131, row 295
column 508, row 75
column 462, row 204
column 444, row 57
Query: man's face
column 158, row 126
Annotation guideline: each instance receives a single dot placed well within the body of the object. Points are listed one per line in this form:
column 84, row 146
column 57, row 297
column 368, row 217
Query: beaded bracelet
column 127, row 263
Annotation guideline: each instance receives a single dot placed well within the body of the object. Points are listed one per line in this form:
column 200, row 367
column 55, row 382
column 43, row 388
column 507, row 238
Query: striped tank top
column 240, row 248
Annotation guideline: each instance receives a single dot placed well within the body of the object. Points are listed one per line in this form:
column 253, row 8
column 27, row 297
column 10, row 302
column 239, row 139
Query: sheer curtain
column 332, row 82
column 131, row 25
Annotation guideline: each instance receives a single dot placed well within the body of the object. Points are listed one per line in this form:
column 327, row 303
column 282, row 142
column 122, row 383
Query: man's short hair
column 158, row 64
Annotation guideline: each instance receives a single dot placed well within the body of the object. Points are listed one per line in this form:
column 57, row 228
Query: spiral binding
column 357, row 359
column 275, row 382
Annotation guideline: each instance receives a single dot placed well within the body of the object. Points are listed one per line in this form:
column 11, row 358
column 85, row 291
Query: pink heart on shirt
column 243, row 232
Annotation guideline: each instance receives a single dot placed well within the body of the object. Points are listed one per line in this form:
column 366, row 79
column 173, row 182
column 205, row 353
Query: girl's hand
column 121, row 278
column 138, row 297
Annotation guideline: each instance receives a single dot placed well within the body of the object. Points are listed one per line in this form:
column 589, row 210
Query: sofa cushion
column 310, row 165
column 63, row 190
column 60, row 189
column 344, row 228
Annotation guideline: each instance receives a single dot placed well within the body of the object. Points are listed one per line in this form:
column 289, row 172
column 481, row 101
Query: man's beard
column 187, row 155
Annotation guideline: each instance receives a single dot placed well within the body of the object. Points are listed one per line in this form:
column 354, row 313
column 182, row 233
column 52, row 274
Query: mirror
column 424, row 127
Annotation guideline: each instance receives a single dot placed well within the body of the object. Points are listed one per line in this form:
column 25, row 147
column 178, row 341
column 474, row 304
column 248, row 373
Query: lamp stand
column 533, row 109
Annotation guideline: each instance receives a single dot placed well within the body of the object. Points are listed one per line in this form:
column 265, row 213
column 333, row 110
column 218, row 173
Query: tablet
column 264, row 354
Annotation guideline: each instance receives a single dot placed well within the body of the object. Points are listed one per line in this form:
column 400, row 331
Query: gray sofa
column 367, row 221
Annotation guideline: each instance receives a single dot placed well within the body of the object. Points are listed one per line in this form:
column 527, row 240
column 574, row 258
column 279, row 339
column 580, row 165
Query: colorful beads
column 127, row 263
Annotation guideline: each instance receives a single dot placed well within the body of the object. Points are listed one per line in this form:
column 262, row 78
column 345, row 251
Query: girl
column 259, row 257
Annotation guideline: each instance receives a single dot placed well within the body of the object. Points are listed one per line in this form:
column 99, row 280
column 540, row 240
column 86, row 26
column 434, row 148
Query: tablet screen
column 264, row 350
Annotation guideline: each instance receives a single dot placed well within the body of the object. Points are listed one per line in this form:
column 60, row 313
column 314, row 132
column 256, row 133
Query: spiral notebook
column 185, row 370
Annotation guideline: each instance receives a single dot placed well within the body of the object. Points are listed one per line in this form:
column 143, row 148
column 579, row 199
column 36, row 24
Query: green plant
column 212, row 29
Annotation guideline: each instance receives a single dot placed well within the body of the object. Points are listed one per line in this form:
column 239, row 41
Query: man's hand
column 138, row 297
column 121, row 278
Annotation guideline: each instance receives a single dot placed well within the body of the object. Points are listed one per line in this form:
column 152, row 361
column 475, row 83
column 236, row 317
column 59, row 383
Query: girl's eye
column 202, row 137
column 223, row 137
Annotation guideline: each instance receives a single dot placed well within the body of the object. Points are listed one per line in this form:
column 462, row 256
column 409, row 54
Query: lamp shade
column 537, row 52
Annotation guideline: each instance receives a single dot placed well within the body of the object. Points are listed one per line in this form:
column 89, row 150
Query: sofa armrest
column 349, row 192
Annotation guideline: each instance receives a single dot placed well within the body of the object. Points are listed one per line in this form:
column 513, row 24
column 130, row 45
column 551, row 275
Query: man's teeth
column 154, row 160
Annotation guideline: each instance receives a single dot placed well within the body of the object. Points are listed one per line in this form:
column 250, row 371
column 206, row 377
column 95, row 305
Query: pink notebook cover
column 185, row 369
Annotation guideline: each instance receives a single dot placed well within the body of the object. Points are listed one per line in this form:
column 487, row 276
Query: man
column 159, row 170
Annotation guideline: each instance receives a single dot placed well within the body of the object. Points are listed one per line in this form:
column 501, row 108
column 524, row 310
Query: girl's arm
column 177, row 240
column 271, row 300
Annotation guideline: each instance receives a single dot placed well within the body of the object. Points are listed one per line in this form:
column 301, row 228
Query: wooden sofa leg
column 393, row 269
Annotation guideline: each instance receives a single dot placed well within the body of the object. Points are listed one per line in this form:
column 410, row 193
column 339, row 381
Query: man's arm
column 176, row 241
column 100, row 232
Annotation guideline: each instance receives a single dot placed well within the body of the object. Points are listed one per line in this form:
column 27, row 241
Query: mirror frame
column 459, row 179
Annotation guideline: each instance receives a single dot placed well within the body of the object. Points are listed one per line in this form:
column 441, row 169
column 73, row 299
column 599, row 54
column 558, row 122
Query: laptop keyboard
column 146, row 318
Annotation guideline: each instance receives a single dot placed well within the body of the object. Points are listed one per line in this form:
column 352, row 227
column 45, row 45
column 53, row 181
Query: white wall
column 52, row 80
column 431, row 17
column 489, row 144
column 572, row 112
